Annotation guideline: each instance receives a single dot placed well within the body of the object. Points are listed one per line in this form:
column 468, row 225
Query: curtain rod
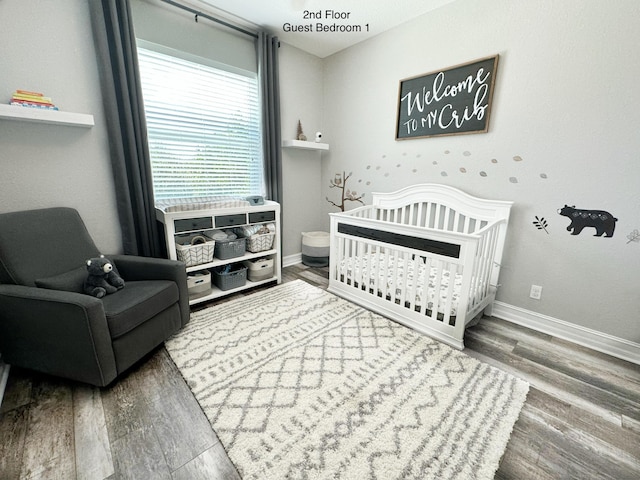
column 213, row 19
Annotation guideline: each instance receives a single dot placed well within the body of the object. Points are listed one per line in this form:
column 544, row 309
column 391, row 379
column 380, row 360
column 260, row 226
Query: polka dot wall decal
column 415, row 170
column 398, row 165
column 543, row 175
column 386, row 174
column 368, row 167
column 466, row 153
column 483, row 174
column 463, row 170
column 435, row 162
column 444, row 174
column 513, row 179
column 493, row 160
column 418, row 156
column 447, row 152
column 368, row 183
column 517, row 158
column 378, row 167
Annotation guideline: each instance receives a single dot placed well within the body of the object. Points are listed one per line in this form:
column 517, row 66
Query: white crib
column 427, row 256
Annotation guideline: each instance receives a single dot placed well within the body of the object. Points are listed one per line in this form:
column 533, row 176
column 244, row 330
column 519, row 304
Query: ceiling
column 365, row 19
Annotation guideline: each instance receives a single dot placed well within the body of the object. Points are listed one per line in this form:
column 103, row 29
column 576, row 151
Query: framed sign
column 447, row 102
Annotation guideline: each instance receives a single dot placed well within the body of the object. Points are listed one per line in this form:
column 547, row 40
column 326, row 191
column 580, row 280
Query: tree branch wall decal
column 340, row 182
column 541, row 224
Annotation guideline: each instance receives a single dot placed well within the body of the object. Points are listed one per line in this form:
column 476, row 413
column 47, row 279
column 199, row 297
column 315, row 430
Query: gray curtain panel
column 122, row 95
column 267, row 48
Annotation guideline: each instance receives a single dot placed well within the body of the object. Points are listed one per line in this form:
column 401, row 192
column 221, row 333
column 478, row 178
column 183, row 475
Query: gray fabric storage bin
column 315, row 249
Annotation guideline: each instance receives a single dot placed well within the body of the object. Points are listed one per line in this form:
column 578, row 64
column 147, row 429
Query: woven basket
column 260, row 243
column 196, row 253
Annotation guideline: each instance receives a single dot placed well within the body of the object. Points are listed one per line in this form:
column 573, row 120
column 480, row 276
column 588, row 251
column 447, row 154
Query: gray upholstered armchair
column 46, row 322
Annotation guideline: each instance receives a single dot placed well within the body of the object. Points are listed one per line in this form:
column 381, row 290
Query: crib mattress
column 395, row 279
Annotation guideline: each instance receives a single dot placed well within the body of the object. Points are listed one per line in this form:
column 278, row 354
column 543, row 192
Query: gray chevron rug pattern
column 301, row 384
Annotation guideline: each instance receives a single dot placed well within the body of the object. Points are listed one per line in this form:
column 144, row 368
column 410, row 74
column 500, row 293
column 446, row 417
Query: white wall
column 301, row 92
column 564, row 106
column 48, row 47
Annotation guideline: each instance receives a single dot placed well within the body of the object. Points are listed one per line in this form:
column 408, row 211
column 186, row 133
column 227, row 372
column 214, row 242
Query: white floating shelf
column 305, row 145
column 41, row 115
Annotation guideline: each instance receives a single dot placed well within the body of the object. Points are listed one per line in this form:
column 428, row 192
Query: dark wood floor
column 581, row 419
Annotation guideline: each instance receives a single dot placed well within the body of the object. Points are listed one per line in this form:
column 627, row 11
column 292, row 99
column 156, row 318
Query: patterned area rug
column 301, row 384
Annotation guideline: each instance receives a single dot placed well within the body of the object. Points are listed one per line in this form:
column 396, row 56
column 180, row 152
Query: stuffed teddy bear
column 102, row 278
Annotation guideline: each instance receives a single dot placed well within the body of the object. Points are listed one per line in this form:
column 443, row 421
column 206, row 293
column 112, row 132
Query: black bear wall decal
column 602, row 221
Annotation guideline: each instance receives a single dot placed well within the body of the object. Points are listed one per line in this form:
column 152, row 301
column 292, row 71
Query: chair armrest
column 61, row 333
column 132, row 267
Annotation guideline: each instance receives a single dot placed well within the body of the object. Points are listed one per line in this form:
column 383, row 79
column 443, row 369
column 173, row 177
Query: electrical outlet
column 536, row 292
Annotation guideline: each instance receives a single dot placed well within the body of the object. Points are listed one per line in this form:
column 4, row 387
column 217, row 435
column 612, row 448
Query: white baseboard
column 598, row 341
column 601, row 342
column 292, row 259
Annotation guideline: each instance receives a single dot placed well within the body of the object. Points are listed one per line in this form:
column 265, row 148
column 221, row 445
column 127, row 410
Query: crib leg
column 475, row 320
column 488, row 310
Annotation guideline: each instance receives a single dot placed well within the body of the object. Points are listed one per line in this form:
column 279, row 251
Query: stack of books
column 25, row 98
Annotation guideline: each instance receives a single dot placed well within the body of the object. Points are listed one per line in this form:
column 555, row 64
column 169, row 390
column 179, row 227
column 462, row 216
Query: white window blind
column 203, row 125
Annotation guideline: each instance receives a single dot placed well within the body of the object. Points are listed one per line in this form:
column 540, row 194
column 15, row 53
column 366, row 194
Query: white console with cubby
column 181, row 223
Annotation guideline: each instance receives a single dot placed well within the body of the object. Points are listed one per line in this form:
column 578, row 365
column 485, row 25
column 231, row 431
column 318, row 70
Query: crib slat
column 465, row 226
column 366, row 272
column 418, row 279
column 376, row 269
column 356, row 275
column 438, row 216
column 453, row 271
column 447, row 218
column 438, row 286
column 420, row 215
column 425, row 286
column 480, row 280
column 393, row 285
column 383, row 272
column 352, row 257
column 427, row 214
column 490, row 255
column 456, row 222
column 341, row 263
column 403, row 284
column 475, row 275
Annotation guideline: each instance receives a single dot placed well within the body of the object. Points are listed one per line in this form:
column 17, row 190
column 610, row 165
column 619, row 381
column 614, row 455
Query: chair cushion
column 71, row 281
column 41, row 244
column 136, row 303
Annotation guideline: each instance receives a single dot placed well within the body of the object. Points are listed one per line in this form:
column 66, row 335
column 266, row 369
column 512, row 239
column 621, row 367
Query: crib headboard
column 439, row 206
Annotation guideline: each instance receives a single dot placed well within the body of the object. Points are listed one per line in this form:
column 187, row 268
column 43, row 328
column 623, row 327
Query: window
column 203, row 126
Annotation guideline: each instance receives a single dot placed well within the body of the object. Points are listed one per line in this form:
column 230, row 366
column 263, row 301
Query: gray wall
column 172, row 27
column 50, row 50
column 301, row 99
column 563, row 126
column 561, row 108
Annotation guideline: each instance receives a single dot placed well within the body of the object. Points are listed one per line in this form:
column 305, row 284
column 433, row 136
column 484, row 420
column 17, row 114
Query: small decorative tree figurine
column 340, row 181
column 300, row 134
